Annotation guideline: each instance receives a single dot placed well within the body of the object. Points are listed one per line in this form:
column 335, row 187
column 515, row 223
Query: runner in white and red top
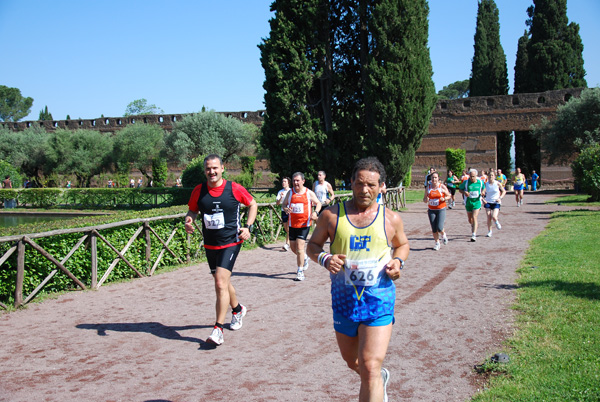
column 218, row 203
column 436, row 195
column 298, row 204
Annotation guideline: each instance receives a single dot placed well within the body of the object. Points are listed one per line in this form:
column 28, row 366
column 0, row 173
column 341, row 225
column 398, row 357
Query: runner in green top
column 451, row 182
column 473, row 189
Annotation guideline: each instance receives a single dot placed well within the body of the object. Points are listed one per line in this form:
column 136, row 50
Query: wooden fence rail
column 268, row 227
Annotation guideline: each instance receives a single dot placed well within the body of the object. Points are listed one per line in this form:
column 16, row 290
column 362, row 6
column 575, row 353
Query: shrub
column 455, row 160
column 586, row 170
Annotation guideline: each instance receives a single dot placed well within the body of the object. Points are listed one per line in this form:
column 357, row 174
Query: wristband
column 323, row 258
column 401, row 262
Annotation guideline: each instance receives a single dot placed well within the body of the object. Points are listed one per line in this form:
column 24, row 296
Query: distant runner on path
column 218, row 201
column 494, row 193
column 368, row 247
column 472, row 189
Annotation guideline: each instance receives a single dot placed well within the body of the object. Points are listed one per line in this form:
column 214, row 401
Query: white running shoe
column 216, row 337
column 473, row 237
column 385, row 376
column 286, row 247
column 437, row 246
column 489, row 234
column 300, row 275
column 305, row 266
column 236, row 319
column 498, row 225
column 445, row 239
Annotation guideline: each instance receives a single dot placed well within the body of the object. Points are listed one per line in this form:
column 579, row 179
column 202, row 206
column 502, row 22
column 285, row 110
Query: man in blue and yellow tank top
column 368, row 249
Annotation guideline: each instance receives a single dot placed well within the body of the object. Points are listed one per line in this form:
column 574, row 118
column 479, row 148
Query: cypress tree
column 549, row 57
column 489, row 74
column 292, row 130
column 346, row 79
column 400, row 95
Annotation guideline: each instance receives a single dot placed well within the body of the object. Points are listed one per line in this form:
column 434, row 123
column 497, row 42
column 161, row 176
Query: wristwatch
column 249, row 227
column 401, row 262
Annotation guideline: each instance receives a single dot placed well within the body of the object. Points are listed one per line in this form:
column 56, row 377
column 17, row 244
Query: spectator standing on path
column 436, row 195
column 285, row 182
column 519, row 184
column 451, row 183
column 132, row 183
column 472, row 189
column 298, row 203
column 140, row 182
column 368, row 250
column 218, row 203
column 6, row 183
column 534, row 181
column 110, row 183
column 494, row 193
column 323, row 190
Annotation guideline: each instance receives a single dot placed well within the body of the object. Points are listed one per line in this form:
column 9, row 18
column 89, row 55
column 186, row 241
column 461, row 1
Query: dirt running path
column 144, row 340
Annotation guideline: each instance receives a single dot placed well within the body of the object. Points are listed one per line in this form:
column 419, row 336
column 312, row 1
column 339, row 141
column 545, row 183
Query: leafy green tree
column 141, row 107
column 83, row 153
column 456, row 90
column 549, row 57
column 138, row 145
column 27, row 150
column 209, row 132
column 586, row 170
column 7, row 169
column 45, row 115
column 576, row 126
column 344, row 80
column 489, row 74
column 13, row 106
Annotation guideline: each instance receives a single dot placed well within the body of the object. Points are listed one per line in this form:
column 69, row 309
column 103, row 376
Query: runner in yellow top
column 369, row 248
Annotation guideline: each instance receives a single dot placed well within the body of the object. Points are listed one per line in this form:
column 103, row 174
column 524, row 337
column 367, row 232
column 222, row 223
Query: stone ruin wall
column 468, row 123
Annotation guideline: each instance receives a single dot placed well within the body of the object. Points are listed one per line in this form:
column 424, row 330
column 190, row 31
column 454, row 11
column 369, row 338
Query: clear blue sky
column 87, row 58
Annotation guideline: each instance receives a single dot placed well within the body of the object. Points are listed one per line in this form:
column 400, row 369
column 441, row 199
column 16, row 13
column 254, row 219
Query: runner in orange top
column 435, row 196
column 298, row 204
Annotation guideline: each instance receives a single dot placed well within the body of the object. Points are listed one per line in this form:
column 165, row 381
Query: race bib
column 361, row 272
column 434, row 202
column 297, row 208
column 473, row 194
column 214, row 221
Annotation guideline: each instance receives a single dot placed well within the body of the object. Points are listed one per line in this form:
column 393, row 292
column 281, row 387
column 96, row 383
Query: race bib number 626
column 361, row 273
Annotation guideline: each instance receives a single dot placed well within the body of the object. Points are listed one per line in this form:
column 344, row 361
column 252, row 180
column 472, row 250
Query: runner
column 451, row 182
column 472, row 189
column 463, row 178
column 501, row 177
column 218, row 201
column 285, row 182
column 494, row 193
column 298, row 203
column 435, row 196
column 369, row 248
column 323, row 190
column 519, row 183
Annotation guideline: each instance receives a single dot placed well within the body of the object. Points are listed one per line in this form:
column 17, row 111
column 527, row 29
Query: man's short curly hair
column 371, row 164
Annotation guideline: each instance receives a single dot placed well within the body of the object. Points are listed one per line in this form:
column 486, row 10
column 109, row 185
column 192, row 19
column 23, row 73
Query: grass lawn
column 555, row 351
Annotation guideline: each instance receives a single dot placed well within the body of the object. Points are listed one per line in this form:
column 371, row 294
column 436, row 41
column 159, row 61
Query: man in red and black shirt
column 218, row 203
